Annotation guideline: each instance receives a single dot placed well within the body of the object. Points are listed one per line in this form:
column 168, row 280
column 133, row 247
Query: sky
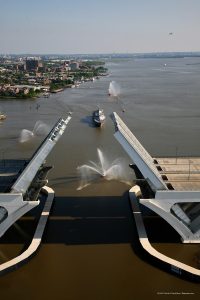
column 99, row 26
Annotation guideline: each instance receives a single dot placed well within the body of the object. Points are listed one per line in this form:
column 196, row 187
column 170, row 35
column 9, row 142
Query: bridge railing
column 133, row 141
column 26, row 177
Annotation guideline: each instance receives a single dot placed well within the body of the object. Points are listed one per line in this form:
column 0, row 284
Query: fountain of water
column 25, row 136
column 117, row 170
column 39, row 129
column 114, row 89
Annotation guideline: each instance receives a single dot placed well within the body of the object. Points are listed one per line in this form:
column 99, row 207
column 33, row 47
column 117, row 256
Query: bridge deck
column 182, row 173
column 178, row 173
column 138, row 154
column 24, row 180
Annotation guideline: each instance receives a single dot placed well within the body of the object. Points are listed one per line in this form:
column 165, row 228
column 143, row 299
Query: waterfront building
column 33, row 64
column 74, row 65
column 21, row 67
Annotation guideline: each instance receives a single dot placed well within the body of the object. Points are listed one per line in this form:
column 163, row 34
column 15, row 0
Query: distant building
column 21, row 67
column 26, row 91
column 74, row 65
column 66, row 62
column 46, row 81
column 33, row 64
column 32, row 81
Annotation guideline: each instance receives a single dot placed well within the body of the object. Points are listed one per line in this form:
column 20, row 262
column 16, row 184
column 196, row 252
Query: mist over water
column 25, row 136
column 115, row 170
column 40, row 129
column 114, row 89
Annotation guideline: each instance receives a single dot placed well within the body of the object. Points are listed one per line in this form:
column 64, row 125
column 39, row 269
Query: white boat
column 2, row 116
column 46, row 95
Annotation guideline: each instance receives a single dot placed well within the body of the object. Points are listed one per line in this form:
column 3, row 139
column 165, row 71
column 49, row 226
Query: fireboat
column 99, row 117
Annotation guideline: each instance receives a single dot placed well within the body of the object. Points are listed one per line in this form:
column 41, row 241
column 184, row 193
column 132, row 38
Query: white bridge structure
column 175, row 183
column 23, row 180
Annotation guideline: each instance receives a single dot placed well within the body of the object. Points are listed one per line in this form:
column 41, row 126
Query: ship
column 98, row 117
column 2, row 117
column 46, row 95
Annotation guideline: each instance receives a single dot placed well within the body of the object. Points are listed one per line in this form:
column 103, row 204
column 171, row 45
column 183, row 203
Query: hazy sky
column 99, row 26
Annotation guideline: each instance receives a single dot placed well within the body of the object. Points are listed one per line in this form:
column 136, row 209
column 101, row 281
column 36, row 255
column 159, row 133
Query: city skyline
column 78, row 27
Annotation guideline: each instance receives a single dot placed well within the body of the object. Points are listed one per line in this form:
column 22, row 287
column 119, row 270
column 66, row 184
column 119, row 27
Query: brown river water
column 90, row 247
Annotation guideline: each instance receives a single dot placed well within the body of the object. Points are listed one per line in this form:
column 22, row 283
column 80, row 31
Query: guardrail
column 22, row 183
column 137, row 146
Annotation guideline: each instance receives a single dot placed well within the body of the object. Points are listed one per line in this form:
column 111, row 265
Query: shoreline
column 20, row 98
column 75, row 85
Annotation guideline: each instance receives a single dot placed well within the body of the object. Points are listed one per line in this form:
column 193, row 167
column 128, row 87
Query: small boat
column 46, row 95
column 98, row 117
column 2, row 116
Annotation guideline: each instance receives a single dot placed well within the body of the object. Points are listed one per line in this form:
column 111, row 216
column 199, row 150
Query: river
column 90, row 246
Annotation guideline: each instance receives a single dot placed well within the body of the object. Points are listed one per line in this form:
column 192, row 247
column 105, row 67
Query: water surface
column 90, row 247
